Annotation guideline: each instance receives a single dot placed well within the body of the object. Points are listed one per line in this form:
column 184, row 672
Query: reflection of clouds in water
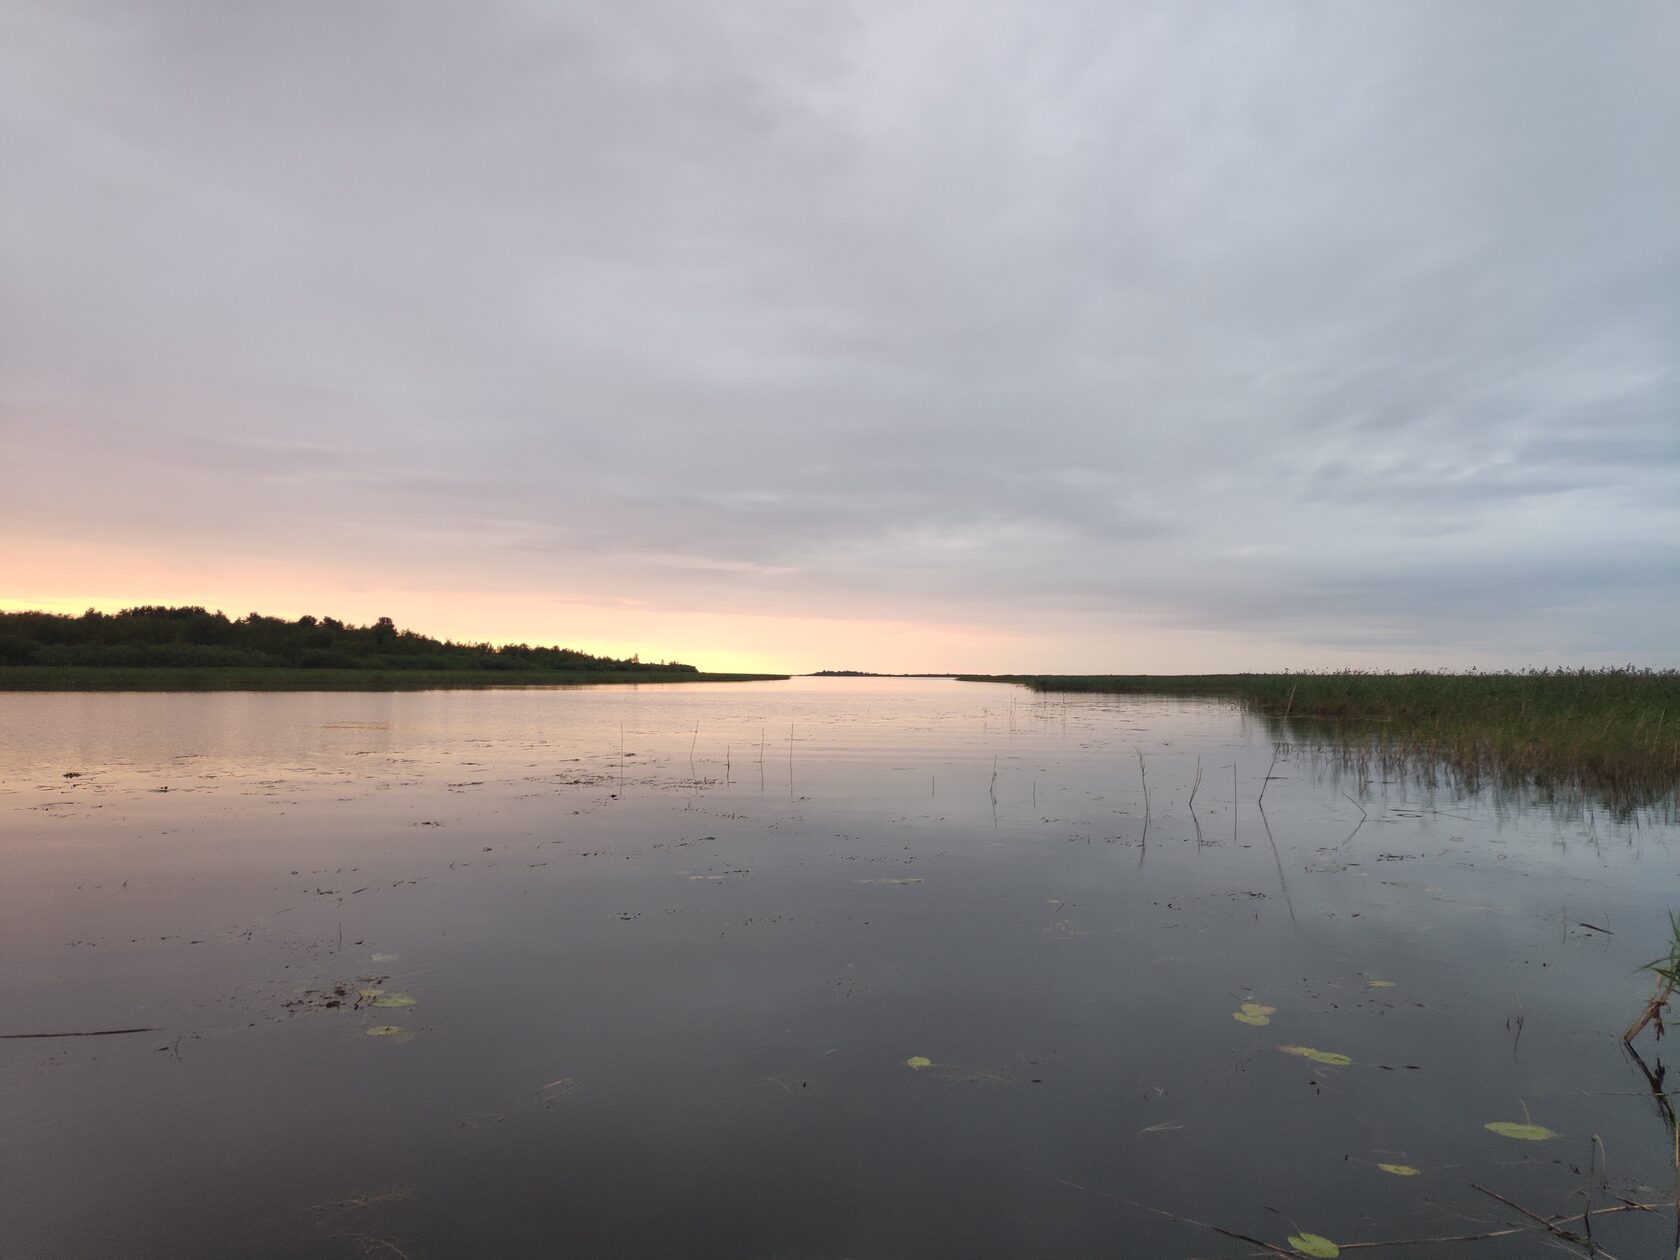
column 880, row 1005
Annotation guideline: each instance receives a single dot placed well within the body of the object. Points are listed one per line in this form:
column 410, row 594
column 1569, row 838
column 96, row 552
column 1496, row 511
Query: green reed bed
column 1608, row 732
column 280, row 678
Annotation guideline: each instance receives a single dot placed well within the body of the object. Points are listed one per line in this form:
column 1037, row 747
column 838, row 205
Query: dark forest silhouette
column 192, row 636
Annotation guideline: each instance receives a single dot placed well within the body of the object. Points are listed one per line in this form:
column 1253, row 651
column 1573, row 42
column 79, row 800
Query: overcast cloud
column 1353, row 328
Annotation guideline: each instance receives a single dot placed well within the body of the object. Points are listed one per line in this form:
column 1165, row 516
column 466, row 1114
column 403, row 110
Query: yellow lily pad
column 1379, row 984
column 1399, row 1170
column 1522, row 1132
column 1314, row 1245
column 1318, row 1056
column 394, row 999
column 1246, row 1017
column 918, row 1062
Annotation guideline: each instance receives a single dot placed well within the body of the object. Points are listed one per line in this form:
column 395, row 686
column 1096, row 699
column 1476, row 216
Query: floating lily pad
column 386, row 1030
column 1318, row 1056
column 918, row 1062
column 1254, row 1013
column 1522, row 1132
column 1399, row 1170
column 1314, row 1245
column 394, row 999
column 384, row 958
column 1379, row 984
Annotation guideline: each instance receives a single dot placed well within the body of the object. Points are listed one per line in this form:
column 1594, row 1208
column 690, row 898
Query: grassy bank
column 1612, row 732
column 235, row 678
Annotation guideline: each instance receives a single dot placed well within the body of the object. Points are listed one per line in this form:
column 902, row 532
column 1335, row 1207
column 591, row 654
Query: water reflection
column 672, row 951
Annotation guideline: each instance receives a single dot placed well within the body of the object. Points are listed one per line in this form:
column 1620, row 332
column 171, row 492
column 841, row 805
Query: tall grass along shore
column 1613, row 733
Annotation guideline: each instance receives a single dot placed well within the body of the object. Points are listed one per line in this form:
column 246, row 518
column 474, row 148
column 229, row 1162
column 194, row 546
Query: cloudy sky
column 969, row 336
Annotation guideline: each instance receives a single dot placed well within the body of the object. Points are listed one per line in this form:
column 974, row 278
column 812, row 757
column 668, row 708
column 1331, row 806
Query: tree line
column 153, row 636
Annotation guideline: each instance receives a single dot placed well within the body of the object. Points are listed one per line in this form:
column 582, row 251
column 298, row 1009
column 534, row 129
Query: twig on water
column 1506, row 1232
column 1549, row 1226
column 101, row 1032
column 1268, row 1248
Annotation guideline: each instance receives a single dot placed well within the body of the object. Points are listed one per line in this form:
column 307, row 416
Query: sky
column 1079, row 337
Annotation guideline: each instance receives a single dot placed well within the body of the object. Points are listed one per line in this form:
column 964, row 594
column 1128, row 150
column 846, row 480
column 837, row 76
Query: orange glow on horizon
column 72, row 577
column 77, row 579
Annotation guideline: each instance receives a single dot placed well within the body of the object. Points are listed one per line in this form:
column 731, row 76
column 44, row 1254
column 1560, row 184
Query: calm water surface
column 671, row 951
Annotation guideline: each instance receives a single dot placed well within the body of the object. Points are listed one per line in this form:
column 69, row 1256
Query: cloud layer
column 1342, row 332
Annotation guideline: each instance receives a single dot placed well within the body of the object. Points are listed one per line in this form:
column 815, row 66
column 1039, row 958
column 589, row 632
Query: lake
column 833, row 968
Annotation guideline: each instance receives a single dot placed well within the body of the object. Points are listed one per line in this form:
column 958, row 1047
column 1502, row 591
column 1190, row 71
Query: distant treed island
column 159, row 647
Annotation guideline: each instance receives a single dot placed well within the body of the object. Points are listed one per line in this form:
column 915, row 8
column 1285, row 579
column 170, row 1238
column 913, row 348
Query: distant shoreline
column 868, row 673
column 14, row 678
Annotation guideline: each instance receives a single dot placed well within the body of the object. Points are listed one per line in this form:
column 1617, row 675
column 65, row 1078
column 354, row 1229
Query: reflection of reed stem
column 1266, row 782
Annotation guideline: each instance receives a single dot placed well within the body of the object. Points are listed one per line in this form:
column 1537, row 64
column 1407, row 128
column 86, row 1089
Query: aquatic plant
column 1562, row 732
column 1667, row 971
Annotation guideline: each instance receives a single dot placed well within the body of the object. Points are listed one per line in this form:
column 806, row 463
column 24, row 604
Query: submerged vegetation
column 1606, row 732
column 190, row 647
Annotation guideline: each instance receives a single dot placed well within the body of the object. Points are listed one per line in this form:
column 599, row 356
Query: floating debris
column 1314, row 1245
column 1399, row 1170
column 918, row 1062
column 1318, row 1056
column 556, row 1090
column 1521, row 1132
column 387, row 1030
